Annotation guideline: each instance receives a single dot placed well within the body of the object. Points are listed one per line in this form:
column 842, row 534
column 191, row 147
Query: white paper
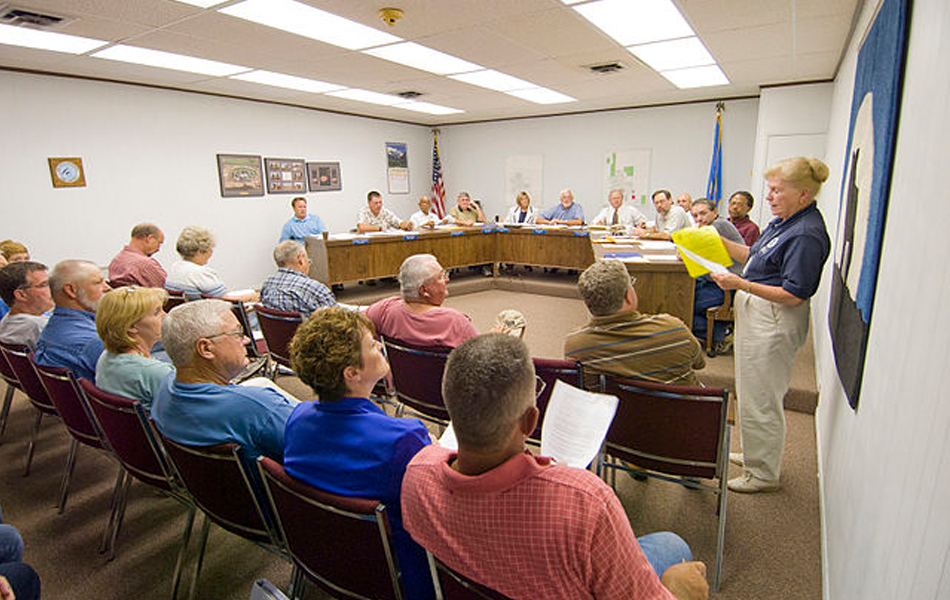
column 343, row 236
column 712, row 266
column 633, row 259
column 656, row 245
column 575, row 424
column 663, row 257
column 448, row 439
column 613, row 247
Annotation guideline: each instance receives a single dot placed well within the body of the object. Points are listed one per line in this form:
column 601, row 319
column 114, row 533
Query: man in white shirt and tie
column 618, row 215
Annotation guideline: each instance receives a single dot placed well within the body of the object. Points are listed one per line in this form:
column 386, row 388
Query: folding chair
column 452, row 585
column 20, row 360
column 417, row 378
column 724, row 312
column 13, row 384
column 175, row 298
column 278, row 327
column 550, row 370
column 328, row 534
column 676, row 433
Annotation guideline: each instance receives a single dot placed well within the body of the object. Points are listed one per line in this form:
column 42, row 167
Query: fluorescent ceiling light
column 493, row 80
column 310, row 22
column 169, row 60
column 696, row 77
column 367, row 96
column 540, row 95
column 287, row 81
column 202, row 3
column 420, row 57
column 674, row 54
column 427, row 107
column 47, row 40
column 636, row 22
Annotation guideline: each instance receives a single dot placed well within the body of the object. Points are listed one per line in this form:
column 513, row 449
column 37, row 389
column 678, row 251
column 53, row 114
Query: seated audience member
column 129, row 322
column 618, row 215
column 199, row 406
column 373, row 217
column 685, row 201
column 566, row 212
column 425, row 217
column 669, row 217
column 706, row 213
column 519, row 523
column 418, row 317
column 134, row 265
column 466, row 212
column 301, row 224
column 192, row 275
column 291, row 288
column 522, row 211
column 17, row 579
column 69, row 338
column 739, row 206
column 622, row 341
column 342, row 442
column 14, row 251
column 24, row 287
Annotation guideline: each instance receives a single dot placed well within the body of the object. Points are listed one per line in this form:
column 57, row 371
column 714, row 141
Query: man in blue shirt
column 70, row 339
column 291, row 288
column 199, row 406
column 301, row 224
column 566, row 213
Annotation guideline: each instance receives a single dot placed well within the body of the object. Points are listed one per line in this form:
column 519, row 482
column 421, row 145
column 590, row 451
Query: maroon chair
column 328, row 534
column 125, row 434
column 676, row 433
column 417, row 378
column 175, row 298
column 64, row 392
column 13, row 384
column 549, row 370
column 278, row 327
column 452, row 585
column 20, row 359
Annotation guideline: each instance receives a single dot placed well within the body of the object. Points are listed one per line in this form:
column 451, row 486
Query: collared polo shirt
column 70, row 340
column 298, row 229
column 574, row 211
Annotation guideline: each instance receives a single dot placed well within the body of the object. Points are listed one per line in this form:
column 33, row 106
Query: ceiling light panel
column 367, row 96
column 540, row 95
column 493, row 80
column 695, row 77
column 310, row 22
column 288, row 81
column 47, row 40
column 427, row 107
column 417, row 56
column 169, row 60
column 674, row 54
column 639, row 22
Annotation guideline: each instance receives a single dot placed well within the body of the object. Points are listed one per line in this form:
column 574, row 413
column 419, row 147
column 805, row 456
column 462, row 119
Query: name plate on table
column 488, row 230
column 581, row 234
column 501, row 229
column 409, row 238
column 539, row 231
column 457, row 233
column 358, row 241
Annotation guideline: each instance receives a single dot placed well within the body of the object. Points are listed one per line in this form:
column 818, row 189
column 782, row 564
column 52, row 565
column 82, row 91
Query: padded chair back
column 7, row 374
column 455, row 586
column 20, row 359
column 64, row 392
column 328, row 534
column 550, row 370
column 417, row 376
column 278, row 327
column 175, row 298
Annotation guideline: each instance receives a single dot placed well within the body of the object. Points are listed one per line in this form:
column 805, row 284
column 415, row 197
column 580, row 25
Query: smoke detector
column 390, row 16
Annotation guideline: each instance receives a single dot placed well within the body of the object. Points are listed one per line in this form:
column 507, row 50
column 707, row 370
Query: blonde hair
column 121, row 308
column 800, row 172
column 9, row 248
column 522, row 195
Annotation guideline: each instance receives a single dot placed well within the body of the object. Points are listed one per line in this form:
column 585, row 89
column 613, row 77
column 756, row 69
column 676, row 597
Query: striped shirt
column 293, row 291
column 630, row 344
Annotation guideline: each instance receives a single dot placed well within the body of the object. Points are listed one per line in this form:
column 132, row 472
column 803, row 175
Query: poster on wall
column 397, row 167
column 629, row 170
column 524, row 173
column 285, row 175
column 324, row 176
column 240, row 175
column 865, row 186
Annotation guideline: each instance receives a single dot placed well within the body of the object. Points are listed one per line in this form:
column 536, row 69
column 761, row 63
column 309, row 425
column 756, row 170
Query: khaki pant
column 767, row 337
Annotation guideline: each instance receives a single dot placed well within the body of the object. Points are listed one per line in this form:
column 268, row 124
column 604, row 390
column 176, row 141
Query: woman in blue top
column 782, row 271
column 343, row 443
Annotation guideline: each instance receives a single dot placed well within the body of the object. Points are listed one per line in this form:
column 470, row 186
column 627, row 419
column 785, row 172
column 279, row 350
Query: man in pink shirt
column 134, row 265
column 418, row 317
column 518, row 523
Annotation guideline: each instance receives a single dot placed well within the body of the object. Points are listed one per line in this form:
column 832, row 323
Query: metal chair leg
column 32, row 446
column 5, row 411
column 121, row 503
column 67, row 475
column 179, row 563
column 113, row 510
column 205, row 527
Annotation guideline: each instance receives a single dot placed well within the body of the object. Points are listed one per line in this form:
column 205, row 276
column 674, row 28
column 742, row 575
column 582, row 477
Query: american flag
column 438, row 190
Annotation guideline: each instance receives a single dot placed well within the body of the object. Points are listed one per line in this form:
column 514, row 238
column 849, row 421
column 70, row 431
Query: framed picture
column 67, row 172
column 285, row 175
column 240, row 175
column 324, row 176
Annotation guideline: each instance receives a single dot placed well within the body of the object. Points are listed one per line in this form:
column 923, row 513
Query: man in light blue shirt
column 567, row 212
column 301, row 224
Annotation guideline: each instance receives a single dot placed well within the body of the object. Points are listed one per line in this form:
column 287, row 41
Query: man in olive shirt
column 466, row 212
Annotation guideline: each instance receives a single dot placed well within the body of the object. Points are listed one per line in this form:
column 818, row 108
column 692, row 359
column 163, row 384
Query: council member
column 685, row 201
column 522, row 211
column 466, row 212
column 425, row 217
column 618, row 215
column 301, row 224
column 566, row 212
column 374, row 217
column 669, row 217
column 782, row 272
column 740, row 204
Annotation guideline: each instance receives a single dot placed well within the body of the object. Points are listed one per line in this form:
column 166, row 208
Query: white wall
column 574, row 148
column 149, row 154
column 886, row 494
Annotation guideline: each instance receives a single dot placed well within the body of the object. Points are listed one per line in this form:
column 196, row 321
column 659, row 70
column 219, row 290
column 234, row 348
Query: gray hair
column 70, row 271
column 194, row 239
column 603, row 286
column 287, row 252
column 416, row 270
column 618, row 191
column 487, row 386
column 143, row 230
column 189, row 322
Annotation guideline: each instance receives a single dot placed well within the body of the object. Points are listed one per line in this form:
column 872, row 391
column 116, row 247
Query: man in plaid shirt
column 291, row 288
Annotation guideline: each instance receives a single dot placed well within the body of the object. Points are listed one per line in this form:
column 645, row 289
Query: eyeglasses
column 237, row 333
column 539, row 386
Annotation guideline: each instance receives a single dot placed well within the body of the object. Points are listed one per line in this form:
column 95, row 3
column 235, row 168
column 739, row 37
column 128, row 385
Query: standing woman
column 522, row 211
column 783, row 269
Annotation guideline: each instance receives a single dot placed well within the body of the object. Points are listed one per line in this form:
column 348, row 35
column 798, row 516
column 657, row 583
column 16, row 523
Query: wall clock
column 67, row 172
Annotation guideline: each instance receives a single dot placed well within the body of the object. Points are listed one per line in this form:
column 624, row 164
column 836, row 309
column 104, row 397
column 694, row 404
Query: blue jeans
column 663, row 550
column 11, row 544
